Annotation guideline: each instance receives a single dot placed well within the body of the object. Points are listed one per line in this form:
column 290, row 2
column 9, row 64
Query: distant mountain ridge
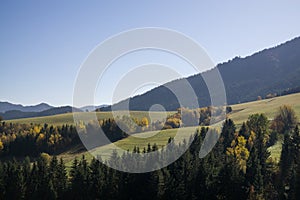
column 16, row 111
column 17, row 114
column 6, row 106
column 272, row 70
column 92, row 108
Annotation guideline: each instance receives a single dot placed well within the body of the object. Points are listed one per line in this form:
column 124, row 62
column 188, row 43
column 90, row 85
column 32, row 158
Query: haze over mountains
column 269, row 71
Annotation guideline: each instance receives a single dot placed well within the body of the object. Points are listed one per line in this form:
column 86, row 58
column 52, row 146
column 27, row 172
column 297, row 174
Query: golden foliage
column 36, row 129
column 239, row 151
column 40, row 138
column 251, row 139
column 1, row 145
column 46, row 157
column 54, row 139
column 145, row 122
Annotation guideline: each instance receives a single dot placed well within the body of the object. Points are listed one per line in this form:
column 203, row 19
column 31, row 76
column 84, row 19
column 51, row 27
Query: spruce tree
column 26, row 171
column 97, row 179
column 45, row 188
column 14, row 181
column 244, row 131
column 61, row 185
column 228, row 133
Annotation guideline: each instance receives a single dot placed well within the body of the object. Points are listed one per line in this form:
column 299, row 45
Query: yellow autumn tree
column 40, row 139
column 1, row 146
column 240, row 152
column 3, row 138
column 36, row 129
column 251, row 140
column 54, row 139
column 145, row 122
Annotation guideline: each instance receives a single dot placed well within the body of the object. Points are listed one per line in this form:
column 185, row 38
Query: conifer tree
column 228, row 133
column 96, row 179
column 26, row 171
column 14, row 181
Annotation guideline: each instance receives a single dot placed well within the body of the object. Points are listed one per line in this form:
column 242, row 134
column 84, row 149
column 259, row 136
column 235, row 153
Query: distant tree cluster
column 21, row 140
column 28, row 139
column 195, row 117
column 271, row 95
column 290, row 91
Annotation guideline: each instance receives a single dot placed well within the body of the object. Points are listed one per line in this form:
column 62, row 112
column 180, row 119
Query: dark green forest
column 238, row 167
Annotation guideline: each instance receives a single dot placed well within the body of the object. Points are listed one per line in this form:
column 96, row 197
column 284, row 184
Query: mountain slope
column 269, row 71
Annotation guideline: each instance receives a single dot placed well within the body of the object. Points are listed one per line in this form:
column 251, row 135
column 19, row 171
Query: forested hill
column 269, row 71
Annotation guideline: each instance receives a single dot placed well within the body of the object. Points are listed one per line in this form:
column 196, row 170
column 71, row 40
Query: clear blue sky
column 43, row 43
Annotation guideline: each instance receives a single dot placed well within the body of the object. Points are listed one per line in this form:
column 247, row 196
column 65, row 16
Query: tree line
column 20, row 140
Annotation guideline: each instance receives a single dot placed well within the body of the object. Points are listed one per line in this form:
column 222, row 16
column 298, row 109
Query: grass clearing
column 140, row 140
column 267, row 106
column 275, row 151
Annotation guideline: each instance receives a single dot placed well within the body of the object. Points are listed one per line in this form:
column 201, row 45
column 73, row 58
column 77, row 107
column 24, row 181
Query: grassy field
column 67, row 118
column 268, row 106
column 160, row 139
column 239, row 114
column 140, row 140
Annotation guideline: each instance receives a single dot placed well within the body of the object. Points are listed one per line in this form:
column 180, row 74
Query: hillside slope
column 239, row 114
column 269, row 71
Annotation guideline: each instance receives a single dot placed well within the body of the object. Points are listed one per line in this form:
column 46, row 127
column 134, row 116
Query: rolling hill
column 271, row 70
column 239, row 114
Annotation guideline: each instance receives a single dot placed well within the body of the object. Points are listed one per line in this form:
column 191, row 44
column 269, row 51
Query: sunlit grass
column 239, row 114
column 58, row 120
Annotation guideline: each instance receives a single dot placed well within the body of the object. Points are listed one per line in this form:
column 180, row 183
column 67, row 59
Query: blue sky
column 43, row 43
